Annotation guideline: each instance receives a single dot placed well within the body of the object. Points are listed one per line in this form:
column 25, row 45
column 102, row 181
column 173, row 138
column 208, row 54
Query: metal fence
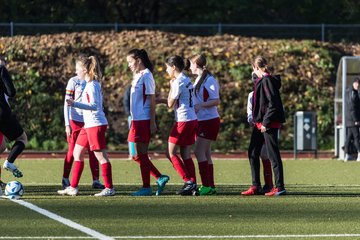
column 321, row 32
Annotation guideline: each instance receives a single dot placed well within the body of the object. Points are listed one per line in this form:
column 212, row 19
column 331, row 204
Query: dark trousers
column 352, row 133
column 271, row 141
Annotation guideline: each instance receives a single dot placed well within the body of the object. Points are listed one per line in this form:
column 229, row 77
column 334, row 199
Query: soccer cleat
column 203, row 191
column 188, row 189
column 253, row 190
column 161, row 182
column 65, row 182
column 267, row 188
column 106, row 192
column 12, row 168
column 97, row 185
column 69, row 191
column 143, row 192
column 213, row 190
column 276, row 192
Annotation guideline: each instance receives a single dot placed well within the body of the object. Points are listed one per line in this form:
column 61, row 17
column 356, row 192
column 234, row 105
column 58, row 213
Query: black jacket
column 352, row 107
column 6, row 87
column 267, row 104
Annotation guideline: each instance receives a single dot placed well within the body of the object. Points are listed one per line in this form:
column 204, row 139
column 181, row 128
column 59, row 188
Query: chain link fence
column 321, row 32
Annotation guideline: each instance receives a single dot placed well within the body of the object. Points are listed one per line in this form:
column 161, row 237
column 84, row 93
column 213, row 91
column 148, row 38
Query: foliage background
column 42, row 65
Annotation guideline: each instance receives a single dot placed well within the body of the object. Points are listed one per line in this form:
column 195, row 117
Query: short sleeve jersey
column 142, row 85
column 74, row 90
column 92, row 105
column 182, row 91
column 209, row 90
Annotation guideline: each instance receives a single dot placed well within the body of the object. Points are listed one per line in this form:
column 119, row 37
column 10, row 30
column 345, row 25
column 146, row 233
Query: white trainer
column 12, row 168
column 107, row 192
column 358, row 157
column 69, row 191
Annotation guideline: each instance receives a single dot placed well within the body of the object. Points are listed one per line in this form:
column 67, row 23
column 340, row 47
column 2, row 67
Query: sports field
column 322, row 203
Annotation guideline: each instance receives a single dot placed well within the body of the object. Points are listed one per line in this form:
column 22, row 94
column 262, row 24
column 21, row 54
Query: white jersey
column 74, row 90
column 209, row 90
column 92, row 105
column 182, row 90
column 142, row 85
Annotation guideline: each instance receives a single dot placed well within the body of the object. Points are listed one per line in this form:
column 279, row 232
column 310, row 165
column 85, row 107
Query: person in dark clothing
column 9, row 125
column 268, row 115
column 352, row 120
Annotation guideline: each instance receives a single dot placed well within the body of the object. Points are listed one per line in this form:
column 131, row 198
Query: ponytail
column 143, row 56
column 200, row 62
column 93, row 68
column 91, row 65
column 261, row 63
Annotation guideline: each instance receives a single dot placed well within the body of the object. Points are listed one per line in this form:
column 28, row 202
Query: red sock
column 211, row 175
column 68, row 161
column 204, row 173
column 107, row 174
column 94, row 165
column 180, row 168
column 153, row 170
column 145, row 169
column 190, row 167
column 267, row 172
column 76, row 174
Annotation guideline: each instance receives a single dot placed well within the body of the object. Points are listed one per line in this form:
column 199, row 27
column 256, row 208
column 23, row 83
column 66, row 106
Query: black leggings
column 271, row 141
column 352, row 133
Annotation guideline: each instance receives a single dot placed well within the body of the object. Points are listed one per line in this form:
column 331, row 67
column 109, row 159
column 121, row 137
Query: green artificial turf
column 323, row 198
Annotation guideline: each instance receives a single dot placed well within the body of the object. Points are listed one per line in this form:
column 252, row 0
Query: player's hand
column 68, row 131
column 197, row 107
column 70, row 102
column 263, row 129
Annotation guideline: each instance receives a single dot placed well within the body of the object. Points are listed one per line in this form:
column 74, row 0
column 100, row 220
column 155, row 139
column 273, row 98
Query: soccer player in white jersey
column 142, row 109
column 93, row 133
column 206, row 100
column 74, row 121
column 182, row 135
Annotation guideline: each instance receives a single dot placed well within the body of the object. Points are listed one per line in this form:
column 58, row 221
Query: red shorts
column 139, row 131
column 1, row 137
column 93, row 137
column 75, row 131
column 209, row 129
column 183, row 133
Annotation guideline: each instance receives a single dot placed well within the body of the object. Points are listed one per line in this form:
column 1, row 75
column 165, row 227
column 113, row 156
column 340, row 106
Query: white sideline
column 62, row 220
column 198, row 236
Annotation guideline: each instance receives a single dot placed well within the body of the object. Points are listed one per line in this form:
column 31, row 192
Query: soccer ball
column 14, row 189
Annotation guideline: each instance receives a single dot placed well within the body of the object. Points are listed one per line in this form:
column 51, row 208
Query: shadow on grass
column 222, row 190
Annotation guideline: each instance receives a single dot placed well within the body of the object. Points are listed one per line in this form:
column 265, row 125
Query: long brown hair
column 200, row 61
column 143, row 56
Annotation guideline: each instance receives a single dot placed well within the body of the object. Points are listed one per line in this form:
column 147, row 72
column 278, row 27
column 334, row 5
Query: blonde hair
column 92, row 66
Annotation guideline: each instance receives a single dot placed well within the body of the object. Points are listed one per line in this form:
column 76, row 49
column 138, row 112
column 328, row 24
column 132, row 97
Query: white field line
column 63, row 220
column 197, row 236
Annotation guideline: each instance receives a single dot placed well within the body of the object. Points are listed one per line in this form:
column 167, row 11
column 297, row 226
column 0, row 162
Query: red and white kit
column 209, row 121
column 94, row 117
column 184, row 130
column 142, row 85
column 73, row 117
